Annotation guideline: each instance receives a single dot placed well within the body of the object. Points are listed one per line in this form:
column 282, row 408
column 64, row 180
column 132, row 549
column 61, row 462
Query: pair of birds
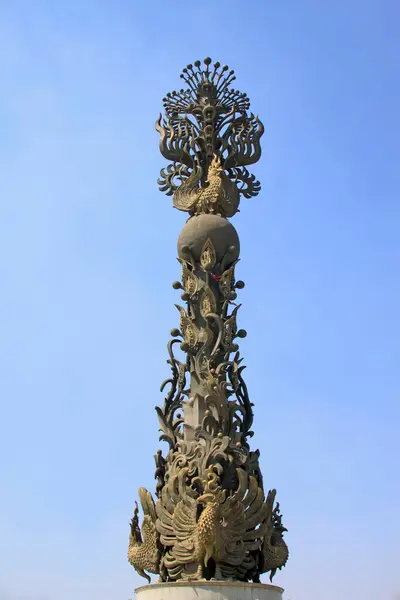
column 192, row 531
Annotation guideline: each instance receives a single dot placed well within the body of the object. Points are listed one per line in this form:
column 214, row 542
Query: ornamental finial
column 205, row 125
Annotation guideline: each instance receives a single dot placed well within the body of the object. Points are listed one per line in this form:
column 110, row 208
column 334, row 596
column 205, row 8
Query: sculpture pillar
column 212, row 529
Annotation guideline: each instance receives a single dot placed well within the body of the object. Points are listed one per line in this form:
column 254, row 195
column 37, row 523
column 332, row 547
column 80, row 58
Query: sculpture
column 144, row 548
column 211, row 519
column 219, row 196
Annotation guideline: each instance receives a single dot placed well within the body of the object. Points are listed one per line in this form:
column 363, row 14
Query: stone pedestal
column 209, row 590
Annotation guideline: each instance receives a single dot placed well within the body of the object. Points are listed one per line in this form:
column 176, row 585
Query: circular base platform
column 209, row 590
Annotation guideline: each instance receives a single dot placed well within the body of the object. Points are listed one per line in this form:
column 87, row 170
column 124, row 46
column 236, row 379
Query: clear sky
column 87, row 257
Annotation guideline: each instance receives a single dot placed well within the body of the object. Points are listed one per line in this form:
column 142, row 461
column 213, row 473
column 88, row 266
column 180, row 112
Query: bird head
column 213, row 493
column 215, row 168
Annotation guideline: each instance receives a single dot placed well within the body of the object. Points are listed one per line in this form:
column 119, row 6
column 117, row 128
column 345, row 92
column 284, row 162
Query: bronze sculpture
column 211, row 519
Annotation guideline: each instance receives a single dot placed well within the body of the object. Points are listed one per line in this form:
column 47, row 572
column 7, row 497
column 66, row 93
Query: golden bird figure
column 217, row 526
column 219, row 196
column 143, row 551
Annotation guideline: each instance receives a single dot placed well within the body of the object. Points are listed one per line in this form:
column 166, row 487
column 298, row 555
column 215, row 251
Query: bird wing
column 232, row 518
column 185, row 526
column 147, row 502
column 256, row 513
column 245, row 516
column 185, row 196
column 149, row 529
column 270, row 507
column 177, row 522
column 230, row 196
column 165, row 514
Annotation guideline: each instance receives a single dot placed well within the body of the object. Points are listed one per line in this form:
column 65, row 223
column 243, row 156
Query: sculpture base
column 209, row 590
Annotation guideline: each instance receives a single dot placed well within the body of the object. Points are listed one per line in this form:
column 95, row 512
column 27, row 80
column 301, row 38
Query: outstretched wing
column 185, row 548
column 176, row 523
column 270, row 507
column 230, row 196
column 232, row 529
column 243, row 515
column 185, row 196
column 256, row 513
column 149, row 520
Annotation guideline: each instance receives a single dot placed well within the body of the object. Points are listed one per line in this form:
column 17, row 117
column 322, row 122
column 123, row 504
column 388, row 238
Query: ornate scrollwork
column 208, row 331
column 169, row 416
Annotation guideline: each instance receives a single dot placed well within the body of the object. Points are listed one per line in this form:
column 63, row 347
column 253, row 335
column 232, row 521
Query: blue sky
column 87, row 257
